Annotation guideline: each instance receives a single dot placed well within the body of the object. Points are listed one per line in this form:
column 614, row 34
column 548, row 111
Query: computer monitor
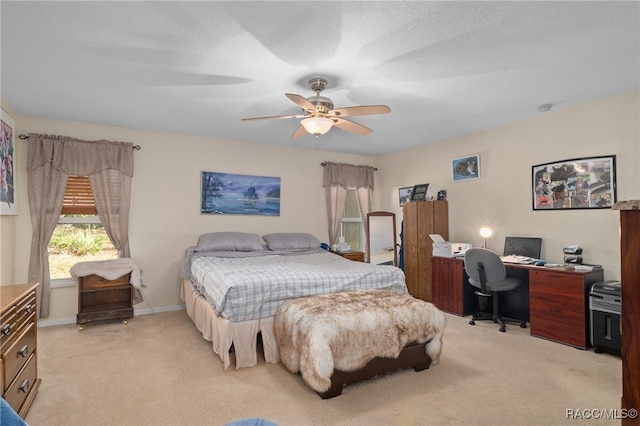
column 523, row 246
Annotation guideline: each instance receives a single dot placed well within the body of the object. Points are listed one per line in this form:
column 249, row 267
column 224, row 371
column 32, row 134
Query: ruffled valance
column 77, row 157
column 348, row 176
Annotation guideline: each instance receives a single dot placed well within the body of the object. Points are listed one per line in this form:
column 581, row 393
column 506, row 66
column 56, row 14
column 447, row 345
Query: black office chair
column 487, row 272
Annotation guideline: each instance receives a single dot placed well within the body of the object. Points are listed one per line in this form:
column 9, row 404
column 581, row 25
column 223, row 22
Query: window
column 352, row 227
column 79, row 235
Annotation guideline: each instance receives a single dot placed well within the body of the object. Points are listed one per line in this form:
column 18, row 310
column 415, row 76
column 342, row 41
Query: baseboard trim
column 136, row 312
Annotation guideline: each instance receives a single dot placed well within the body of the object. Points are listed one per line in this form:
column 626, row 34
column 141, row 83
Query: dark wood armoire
column 630, row 306
column 421, row 218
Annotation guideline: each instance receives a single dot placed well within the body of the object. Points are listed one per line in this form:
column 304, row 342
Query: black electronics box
column 604, row 303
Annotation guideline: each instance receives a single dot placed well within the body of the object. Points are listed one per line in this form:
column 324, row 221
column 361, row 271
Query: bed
column 233, row 284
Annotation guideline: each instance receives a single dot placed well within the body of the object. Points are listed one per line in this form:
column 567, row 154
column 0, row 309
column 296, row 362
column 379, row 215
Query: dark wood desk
column 554, row 300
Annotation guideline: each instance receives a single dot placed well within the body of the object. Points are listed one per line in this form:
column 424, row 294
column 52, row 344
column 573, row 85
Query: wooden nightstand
column 356, row 256
column 101, row 299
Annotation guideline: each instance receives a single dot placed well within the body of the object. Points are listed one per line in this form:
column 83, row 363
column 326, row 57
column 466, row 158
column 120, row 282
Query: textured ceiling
column 444, row 68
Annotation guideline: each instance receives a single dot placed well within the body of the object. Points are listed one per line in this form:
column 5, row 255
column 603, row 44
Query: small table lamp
column 486, row 233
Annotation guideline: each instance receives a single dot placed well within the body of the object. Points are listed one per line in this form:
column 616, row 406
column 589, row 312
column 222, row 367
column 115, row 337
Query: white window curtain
column 50, row 161
column 340, row 178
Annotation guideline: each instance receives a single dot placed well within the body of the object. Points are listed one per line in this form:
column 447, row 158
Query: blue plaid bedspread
column 249, row 288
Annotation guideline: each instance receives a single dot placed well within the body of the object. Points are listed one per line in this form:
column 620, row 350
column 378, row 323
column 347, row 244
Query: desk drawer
column 22, row 385
column 554, row 299
column 15, row 356
column 558, row 304
column 557, row 291
column 558, row 279
column 561, row 326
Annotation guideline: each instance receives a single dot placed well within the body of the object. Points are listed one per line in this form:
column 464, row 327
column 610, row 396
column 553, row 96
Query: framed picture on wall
column 419, row 192
column 8, row 196
column 226, row 193
column 404, row 194
column 466, row 168
column 580, row 183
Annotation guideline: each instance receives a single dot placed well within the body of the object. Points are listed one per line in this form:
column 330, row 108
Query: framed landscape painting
column 226, row 193
column 8, row 198
column 580, row 183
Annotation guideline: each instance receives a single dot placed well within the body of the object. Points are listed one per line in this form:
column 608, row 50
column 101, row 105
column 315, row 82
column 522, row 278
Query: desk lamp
column 486, row 233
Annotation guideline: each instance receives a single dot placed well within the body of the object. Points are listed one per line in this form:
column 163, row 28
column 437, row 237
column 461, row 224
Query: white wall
column 501, row 198
column 165, row 217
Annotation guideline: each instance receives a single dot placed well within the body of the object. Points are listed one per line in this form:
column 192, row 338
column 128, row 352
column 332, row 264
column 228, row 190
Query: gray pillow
column 291, row 241
column 229, row 241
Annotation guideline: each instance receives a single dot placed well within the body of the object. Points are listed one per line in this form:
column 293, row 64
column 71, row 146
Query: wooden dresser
column 19, row 333
column 103, row 299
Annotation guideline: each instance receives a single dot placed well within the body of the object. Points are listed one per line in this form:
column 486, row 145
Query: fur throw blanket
column 345, row 330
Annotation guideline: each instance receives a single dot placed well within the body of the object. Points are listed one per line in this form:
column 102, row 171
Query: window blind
column 78, row 197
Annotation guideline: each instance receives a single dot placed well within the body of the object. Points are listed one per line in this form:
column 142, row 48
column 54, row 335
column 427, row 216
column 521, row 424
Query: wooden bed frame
column 413, row 355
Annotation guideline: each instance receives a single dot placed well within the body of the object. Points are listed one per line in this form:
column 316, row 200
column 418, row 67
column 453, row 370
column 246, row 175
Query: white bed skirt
column 223, row 333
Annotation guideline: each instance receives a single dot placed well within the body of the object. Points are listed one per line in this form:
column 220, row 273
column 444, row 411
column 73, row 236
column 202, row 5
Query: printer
column 442, row 248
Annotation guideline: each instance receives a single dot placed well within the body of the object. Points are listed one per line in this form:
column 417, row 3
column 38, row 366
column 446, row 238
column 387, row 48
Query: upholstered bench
column 340, row 338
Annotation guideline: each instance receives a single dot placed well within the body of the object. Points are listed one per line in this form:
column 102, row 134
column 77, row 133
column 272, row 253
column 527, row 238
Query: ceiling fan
column 319, row 115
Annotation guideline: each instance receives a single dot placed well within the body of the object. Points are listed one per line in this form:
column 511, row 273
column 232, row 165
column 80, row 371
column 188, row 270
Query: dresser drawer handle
column 28, row 309
column 6, row 329
column 24, row 387
column 24, row 351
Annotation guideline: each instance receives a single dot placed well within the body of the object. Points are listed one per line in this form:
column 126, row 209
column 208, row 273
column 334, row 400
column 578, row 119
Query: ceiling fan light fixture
column 319, row 116
column 317, row 125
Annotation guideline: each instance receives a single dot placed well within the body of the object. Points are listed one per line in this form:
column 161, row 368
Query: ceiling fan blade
column 301, row 101
column 360, row 110
column 274, row 116
column 300, row 131
column 350, row 126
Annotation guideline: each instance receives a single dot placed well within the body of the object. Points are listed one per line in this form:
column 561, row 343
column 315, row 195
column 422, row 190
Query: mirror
column 381, row 238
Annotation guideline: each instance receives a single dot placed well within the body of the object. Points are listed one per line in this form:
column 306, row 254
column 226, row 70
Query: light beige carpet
column 157, row 370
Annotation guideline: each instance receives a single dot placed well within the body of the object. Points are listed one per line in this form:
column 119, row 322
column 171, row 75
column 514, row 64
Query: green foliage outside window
column 75, row 240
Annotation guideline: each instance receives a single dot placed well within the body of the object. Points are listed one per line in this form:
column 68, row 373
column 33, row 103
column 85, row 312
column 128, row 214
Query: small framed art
column 466, row 168
column 404, row 194
column 419, row 192
column 8, row 196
